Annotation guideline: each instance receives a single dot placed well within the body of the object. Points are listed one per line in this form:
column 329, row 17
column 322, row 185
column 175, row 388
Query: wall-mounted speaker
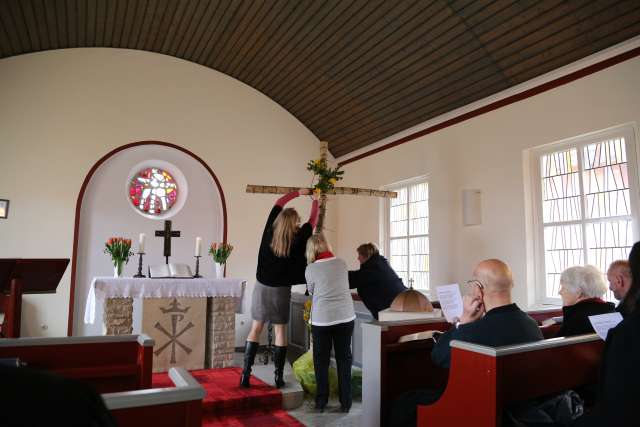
column 471, row 207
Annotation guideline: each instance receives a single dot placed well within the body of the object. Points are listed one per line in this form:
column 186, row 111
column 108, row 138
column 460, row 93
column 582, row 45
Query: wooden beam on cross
column 324, row 150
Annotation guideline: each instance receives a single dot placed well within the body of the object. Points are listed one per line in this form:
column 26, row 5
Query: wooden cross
column 167, row 233
column 324, row 150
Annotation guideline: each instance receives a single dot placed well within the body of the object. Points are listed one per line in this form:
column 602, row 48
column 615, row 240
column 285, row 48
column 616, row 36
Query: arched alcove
column 104, row 210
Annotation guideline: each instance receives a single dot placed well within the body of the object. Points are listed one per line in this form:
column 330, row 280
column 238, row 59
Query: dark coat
column 619, row 378
column 500, row 326
column 38, row 398
column 377, row 284
column 282, row 271
column 575, row 319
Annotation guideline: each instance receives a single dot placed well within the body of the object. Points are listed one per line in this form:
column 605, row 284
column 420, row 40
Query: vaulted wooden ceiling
column 353, row 71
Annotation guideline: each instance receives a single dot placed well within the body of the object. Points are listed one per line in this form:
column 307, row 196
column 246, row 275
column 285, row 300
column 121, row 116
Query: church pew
column 550, row 331
column 10, row 307
column 381, row 385
column 540, row 315
column 485, row 380
column 108, row 363
column 180, row 406
column 381, row 353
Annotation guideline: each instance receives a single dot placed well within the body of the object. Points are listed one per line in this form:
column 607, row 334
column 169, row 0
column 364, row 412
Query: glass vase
column 118, row 266
column 219, row 270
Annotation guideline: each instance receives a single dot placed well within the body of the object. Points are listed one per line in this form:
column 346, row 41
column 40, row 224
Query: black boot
column 279, row 357
column 250, row 350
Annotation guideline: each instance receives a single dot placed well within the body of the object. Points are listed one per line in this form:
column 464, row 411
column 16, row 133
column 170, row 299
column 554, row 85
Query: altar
column 191, row 320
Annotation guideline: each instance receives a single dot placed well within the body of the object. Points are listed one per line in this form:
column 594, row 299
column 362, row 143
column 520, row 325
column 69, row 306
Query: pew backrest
column 108, row 363
column 11, row 309
column 485, row 380
column 543, row 314
column 382, row 354
column 179, row 406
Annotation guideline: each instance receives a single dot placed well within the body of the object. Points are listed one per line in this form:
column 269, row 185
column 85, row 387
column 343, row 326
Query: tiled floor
column 330, row 417
column 305, row 413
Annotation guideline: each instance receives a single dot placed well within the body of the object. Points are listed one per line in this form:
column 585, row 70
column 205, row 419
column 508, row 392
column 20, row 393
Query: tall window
column 587, row 205
column 408, row 234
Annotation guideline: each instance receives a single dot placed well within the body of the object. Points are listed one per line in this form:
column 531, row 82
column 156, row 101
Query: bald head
column 619, row 277
column 494, row 275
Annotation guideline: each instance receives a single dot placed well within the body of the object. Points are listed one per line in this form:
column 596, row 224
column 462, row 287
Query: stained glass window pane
column 153, row 191
column 563, row 249
column 606, row 180
column 560, row 186
column 408, row 232
column 608, row 241
column 598, row 182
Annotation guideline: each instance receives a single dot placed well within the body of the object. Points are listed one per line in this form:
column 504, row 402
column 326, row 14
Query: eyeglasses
column 476, row 282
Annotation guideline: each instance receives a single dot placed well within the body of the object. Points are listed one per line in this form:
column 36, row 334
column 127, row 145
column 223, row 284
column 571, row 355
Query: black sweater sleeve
column 271, row 219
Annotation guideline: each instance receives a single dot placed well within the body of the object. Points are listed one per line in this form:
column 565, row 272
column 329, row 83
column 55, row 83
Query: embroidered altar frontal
column 177, row 325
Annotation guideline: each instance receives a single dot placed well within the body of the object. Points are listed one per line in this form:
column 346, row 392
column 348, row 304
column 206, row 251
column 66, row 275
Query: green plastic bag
column 305, row 374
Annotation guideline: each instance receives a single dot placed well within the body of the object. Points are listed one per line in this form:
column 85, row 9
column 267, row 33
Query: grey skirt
column 271, row 304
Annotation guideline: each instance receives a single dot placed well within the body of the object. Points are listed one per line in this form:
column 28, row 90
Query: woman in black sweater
column 281, row 264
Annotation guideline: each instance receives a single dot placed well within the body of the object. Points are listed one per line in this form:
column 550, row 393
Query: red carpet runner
column 228, row 405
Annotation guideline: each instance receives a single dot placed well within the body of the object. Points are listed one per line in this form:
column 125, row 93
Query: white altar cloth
column 129, row 287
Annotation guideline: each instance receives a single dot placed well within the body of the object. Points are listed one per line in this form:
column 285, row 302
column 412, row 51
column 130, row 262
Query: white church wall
column 486, row 153
column 63, row 110
column 106, row 212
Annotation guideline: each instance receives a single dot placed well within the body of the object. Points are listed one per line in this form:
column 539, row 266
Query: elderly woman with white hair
column 581, row 290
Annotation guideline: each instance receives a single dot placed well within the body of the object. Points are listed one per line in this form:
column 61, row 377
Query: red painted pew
column 108, row 363
column 10, row 310
column 485, row 380
column 120, row 368
column 382, row 383
column 180, row 406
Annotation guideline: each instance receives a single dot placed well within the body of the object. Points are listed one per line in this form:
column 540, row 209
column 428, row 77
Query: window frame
column 385, row 225
column 629, row 133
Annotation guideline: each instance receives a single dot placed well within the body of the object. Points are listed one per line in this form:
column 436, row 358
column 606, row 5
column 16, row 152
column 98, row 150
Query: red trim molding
column 560, row 81
column 85, row 183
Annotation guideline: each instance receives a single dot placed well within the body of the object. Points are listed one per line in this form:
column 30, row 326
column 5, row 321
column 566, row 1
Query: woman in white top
column 332, row 319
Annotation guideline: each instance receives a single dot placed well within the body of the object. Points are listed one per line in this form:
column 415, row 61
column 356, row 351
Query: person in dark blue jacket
column 376, row 282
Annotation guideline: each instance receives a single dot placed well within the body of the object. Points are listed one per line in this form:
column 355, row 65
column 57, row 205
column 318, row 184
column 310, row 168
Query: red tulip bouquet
column 120, row 250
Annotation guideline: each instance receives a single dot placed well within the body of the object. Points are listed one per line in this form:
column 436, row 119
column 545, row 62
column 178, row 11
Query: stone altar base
column 177, row 325
column 210, row 339
column 221, row 331
column 118, row 316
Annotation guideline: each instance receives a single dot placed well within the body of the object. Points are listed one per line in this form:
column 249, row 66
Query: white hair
column 587, row 281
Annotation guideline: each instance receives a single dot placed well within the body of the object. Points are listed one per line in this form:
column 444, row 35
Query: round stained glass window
column 153, row 191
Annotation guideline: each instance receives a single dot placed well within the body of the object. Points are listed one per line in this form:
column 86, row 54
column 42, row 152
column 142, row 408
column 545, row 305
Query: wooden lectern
column 25, row 276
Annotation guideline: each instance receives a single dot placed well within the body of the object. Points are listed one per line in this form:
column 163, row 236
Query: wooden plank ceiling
column 353, row 71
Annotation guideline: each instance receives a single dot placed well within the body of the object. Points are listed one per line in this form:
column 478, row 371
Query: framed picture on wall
column 4, row 208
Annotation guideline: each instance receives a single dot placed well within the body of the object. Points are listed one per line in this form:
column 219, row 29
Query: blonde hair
column 315, row 245
column 285, row 228
column 367, row 250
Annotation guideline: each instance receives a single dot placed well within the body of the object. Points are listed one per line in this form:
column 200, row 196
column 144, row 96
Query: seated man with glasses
column 489, row 316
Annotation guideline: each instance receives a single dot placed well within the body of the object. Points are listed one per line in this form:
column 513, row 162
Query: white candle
column 198, row 246
column 141, row 243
